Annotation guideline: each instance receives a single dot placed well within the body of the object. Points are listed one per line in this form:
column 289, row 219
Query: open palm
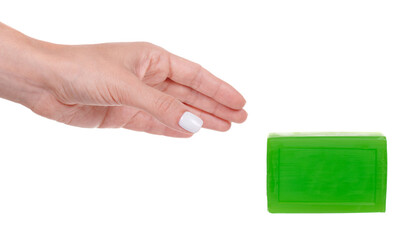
column 137, row 86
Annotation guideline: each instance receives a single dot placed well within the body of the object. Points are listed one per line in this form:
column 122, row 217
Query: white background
column 301, row 65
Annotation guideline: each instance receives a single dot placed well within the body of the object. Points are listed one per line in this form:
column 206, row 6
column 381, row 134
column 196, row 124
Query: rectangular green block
column 326, row 172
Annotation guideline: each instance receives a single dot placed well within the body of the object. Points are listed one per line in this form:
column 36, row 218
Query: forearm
column 23, row 67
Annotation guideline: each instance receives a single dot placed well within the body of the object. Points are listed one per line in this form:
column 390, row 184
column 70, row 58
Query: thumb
column 167, row 109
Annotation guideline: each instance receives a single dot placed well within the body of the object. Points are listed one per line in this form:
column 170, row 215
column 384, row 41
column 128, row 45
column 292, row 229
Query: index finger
column 194, row 76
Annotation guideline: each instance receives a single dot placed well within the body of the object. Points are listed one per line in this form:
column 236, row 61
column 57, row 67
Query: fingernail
column 190, row 122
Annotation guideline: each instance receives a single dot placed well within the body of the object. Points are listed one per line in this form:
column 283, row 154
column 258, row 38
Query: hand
column 137, row 86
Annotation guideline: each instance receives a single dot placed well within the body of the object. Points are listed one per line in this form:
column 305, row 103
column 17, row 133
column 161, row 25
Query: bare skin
column 136, row 85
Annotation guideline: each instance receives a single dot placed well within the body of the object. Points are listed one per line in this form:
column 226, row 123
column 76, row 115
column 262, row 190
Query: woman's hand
column 137, row 86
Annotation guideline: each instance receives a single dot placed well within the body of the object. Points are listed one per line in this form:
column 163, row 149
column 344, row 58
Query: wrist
column 24, row 67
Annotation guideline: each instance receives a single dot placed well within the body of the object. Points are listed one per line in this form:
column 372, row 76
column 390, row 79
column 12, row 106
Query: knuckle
column 165, row 103
column 215, row 108
column 140, row 121
column 217, row 90
column 148, row 127
column 147, row 44
column 139, row 118
column 197, row 78
column 192, row 96
column 152, row 48
column 145, row 122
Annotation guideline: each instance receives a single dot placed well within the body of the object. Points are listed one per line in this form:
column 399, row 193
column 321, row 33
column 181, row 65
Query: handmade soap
column 326, row 172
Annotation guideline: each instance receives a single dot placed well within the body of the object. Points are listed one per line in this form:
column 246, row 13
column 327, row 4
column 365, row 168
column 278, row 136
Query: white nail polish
column 190, row 122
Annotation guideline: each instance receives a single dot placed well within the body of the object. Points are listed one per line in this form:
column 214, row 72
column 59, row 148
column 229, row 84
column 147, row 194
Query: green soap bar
column 326, row 172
